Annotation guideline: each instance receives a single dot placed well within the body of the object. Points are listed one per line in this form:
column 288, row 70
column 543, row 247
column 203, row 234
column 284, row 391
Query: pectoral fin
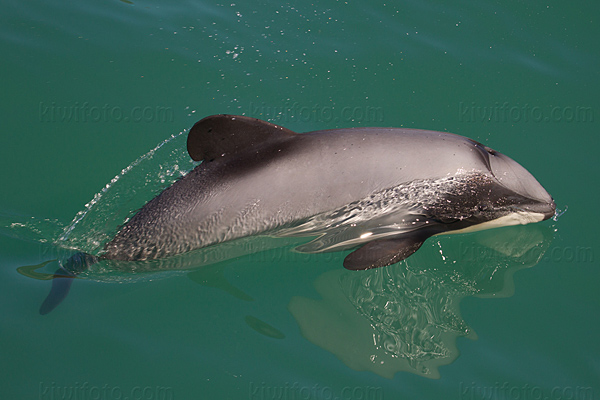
column 383, row 252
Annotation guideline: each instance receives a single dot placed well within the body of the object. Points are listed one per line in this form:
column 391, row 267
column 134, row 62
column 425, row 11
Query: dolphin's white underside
column 516, row 218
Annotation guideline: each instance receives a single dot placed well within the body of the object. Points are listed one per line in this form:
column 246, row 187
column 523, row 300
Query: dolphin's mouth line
column 548, row 210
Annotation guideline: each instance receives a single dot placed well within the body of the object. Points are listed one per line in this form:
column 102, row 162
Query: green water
column 89, row 88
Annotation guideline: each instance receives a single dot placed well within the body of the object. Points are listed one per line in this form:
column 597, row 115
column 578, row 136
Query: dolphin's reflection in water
column 406, row 317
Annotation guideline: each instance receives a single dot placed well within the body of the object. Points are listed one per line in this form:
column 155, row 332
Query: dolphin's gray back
column 284, row 181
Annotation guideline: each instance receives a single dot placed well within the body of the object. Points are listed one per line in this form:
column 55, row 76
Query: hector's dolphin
column 380, row 191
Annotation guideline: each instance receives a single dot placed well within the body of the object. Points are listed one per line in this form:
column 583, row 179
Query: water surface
column 90, row 89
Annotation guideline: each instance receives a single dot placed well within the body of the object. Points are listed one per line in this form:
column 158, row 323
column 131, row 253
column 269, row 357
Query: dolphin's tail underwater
column 63, row 278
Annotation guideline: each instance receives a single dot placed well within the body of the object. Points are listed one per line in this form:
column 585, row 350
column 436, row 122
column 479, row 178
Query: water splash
column 28, row 228
column 558, row 213
column 125, row 194
column 112, row 206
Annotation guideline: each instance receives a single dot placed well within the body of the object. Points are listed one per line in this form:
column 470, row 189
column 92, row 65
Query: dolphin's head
column 515, row 189
column 500, row 192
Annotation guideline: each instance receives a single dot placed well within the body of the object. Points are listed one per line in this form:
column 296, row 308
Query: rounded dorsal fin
column 225, row 135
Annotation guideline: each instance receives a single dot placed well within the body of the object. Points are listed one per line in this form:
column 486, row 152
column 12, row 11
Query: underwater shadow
column 406, row 317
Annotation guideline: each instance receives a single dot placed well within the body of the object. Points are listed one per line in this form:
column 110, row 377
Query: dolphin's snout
column 545, row 208
column 514, row 177
column 551, row 211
